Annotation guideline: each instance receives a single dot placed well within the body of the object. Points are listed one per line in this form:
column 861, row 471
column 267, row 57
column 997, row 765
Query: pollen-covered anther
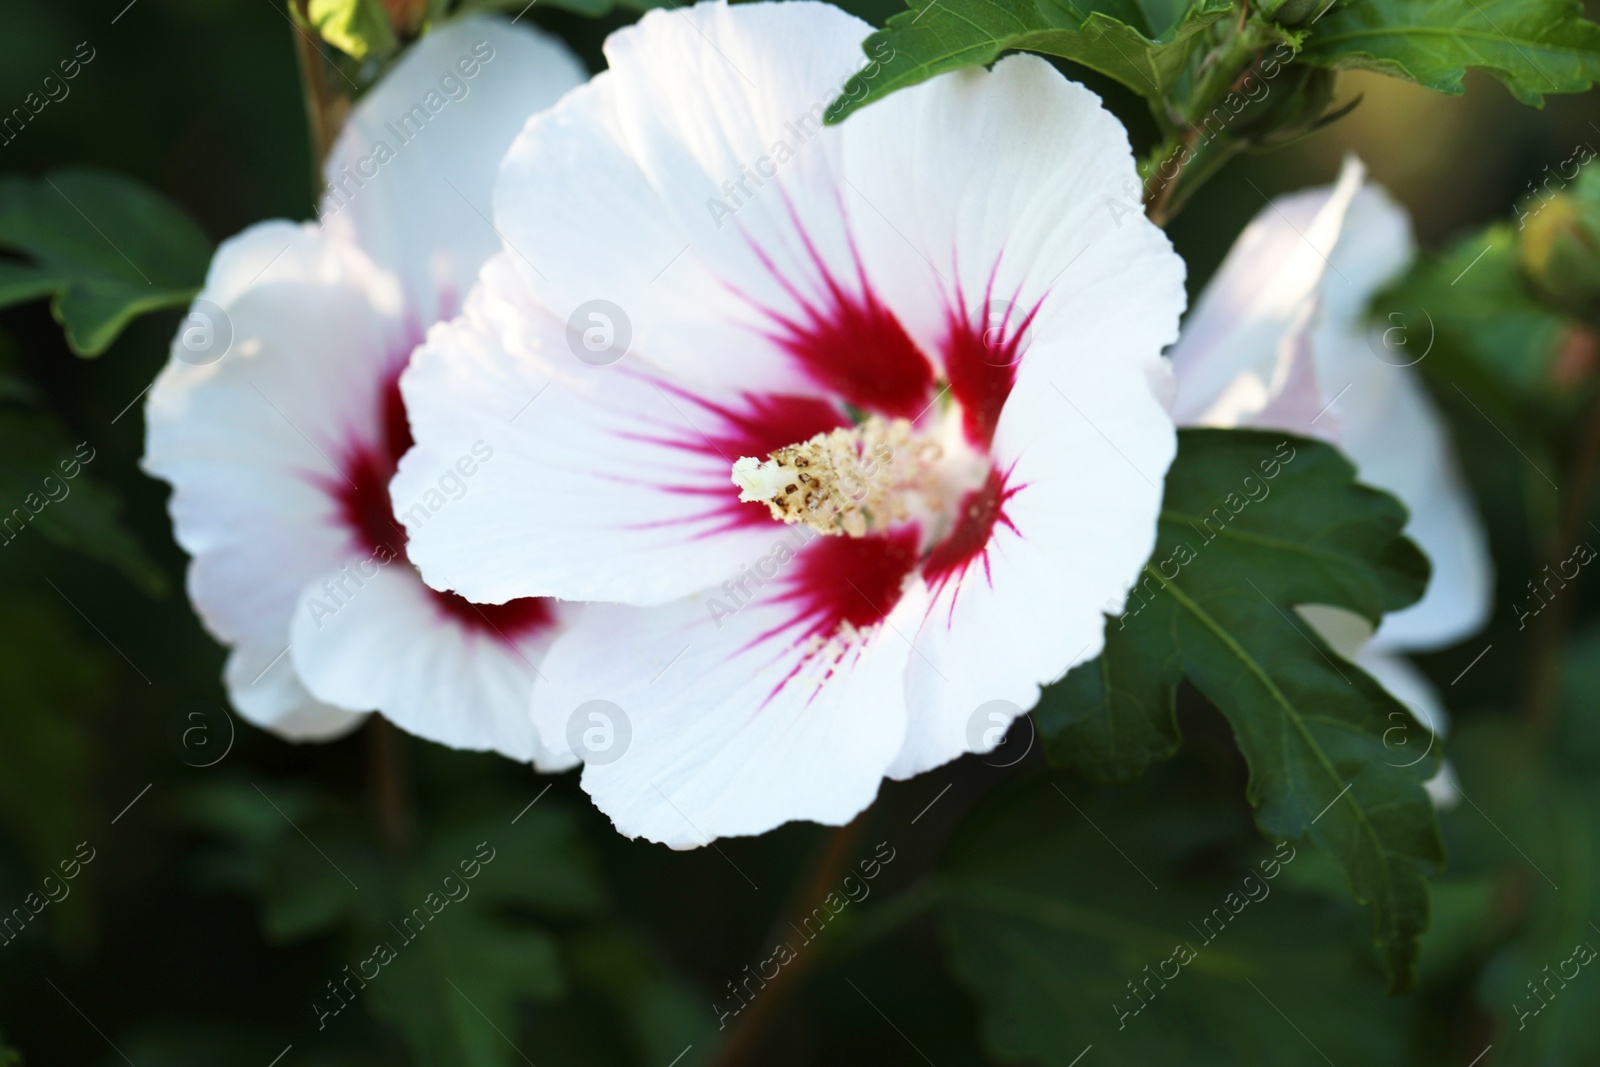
column 847, row 481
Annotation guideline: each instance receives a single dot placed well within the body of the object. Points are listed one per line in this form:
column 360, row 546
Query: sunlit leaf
column 1146, row 50
column 1533, row 46
column 355, row 27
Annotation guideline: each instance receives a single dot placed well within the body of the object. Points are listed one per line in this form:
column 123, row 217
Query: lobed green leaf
column 1533, row 46
column 1082, row 918
column 103, row 247
column 1254, row 525
column 1145, row 47
column 48, row 490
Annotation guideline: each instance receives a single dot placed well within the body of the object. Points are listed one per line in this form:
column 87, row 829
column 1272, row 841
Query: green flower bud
column 1559, row 246
column 1284, row 106
column 357, row 28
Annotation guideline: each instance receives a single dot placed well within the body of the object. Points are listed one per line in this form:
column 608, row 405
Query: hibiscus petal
column 1400, row 444
column 264, row 688
column 1233, row 355
column 410, row 176
column 376, row 637
column 1009, row 188
column 701, row 194
column 1390, row 428
column 605, row 483
column 735, row 721
column 1297, row 284
column 1081, row 450
column 248, row 443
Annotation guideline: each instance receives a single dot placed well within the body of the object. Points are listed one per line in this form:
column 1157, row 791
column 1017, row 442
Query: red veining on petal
column 757, row 425
column 771, row 422
column 840, row 582
column 513, row 619
column 982, row 349
column 847, row 340
column 968, row 542
column 854, row 580
column 363, row 491
column 362, row 494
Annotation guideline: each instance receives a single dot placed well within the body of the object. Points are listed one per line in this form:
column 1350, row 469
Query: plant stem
column 390, row 771
column 1550, row 635
column 1165, row 197
column 748, row 1033
column 325, row 110
column 1157, row 197
column 1220, row 74
column 1222, row 70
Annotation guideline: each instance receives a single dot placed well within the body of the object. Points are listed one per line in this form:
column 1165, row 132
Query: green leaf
column 457, row 986
column 47, row 491
column 661, row 1012
column 1535, row 825
column 1145, row 46
column 356, row 27
column 1289, row 12
column 1531, row 821
column 1468, row 315
column 1105, row 719
column 14, row 387
column 51, row 679
column 1254, row 525
column 1053, row 919
column 106, row 248
column 1533, row 46
column 445, row 944
column 454, row 997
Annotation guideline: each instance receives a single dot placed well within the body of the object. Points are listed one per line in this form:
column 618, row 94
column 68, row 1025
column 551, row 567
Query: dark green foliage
column 1156, row 936
column 443, row 940
column 51, row 489
column 1253, row 526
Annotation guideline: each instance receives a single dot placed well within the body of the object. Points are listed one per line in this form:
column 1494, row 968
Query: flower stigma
column 859, row 480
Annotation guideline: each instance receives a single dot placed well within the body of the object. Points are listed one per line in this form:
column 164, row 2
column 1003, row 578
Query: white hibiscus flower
column 1280, row 340
column 279, row 423
column 924, row 345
